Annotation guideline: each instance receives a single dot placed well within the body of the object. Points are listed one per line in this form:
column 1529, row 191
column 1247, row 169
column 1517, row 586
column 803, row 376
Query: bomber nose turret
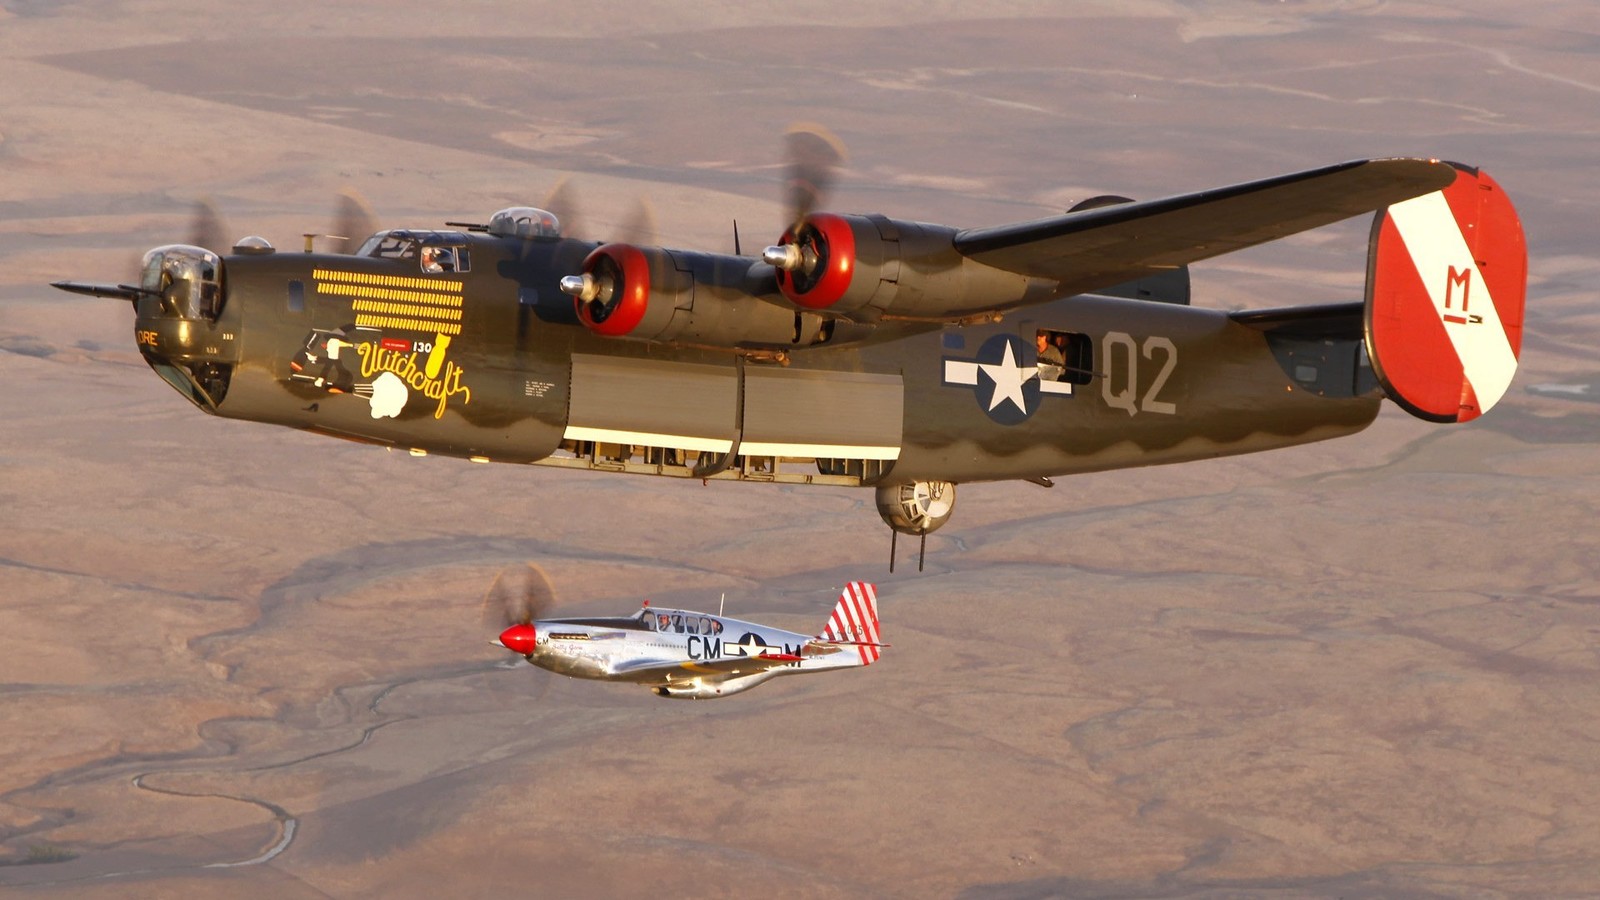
column 178, row 325
column 180, row 302
column 180, row 295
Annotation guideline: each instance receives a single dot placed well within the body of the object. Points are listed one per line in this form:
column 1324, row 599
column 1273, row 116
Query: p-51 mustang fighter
column 695, row 655
column 858, row 350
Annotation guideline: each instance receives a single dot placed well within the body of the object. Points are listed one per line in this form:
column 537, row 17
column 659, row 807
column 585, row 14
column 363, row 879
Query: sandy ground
column 245, row 661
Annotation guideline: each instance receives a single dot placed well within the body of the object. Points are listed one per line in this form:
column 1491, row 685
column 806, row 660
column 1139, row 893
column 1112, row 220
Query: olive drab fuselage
column 488, row 360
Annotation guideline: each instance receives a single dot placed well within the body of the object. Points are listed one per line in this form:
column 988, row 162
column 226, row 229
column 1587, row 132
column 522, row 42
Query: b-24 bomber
column 859, row 349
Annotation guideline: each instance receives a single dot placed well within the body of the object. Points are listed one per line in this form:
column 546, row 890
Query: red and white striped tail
column 855, row 621
column 1448, row 275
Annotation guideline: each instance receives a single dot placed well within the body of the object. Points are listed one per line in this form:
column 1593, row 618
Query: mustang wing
column 650, row 671
column 1106, row 246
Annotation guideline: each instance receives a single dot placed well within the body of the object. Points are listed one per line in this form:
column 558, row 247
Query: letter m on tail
column 855, row 621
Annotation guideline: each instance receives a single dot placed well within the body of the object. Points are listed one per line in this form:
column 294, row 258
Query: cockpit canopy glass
column 673, row 621
column 525, row 222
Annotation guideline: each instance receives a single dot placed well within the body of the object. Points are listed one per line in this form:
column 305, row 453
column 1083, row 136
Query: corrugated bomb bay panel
column 815, row 413
column 690, row 406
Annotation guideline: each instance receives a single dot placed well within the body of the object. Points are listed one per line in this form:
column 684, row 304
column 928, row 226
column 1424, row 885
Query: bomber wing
column 1105, row 246
column 1329, row 321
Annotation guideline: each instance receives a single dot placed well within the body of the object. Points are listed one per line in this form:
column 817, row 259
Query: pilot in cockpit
column 434, row 259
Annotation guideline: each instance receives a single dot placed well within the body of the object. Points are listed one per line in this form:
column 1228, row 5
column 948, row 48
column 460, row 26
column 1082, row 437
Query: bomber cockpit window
column 435, row 251
column 1064, row 356
column 390, row 245
column 445, row 259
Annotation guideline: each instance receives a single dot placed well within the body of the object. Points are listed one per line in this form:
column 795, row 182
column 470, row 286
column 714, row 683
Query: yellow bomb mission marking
column 421, row 378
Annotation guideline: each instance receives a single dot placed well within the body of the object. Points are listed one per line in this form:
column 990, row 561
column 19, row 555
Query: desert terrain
column 243, row 661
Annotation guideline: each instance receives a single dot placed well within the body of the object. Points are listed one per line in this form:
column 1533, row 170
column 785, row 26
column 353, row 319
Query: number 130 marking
column 1122, row 355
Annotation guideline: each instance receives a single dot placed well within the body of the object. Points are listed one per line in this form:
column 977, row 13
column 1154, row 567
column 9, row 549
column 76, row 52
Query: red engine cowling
column 619, row 286
column 865, row 268
column 832, row 262
column 684, row 297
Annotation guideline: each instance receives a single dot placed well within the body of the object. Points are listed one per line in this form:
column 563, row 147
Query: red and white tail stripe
column 1445, row 296
column 855, row 621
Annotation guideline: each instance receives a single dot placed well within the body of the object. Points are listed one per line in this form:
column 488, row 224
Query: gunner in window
column 1051, row 359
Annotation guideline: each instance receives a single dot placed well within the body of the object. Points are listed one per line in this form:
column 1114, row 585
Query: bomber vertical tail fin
column 855, row 621
column 1446, row 280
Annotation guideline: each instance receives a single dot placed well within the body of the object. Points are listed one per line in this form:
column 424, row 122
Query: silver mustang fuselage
column 681, row 653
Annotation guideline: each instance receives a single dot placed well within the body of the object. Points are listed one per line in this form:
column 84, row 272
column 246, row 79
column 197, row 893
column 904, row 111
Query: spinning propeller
column 638, row 228
column 622, row 281
column 207, row 229
column 814, row 155
column 354, row 221
column 519, row 596
column 596, row 288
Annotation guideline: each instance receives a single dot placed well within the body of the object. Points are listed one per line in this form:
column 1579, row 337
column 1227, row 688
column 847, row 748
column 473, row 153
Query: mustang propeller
column 519, row 596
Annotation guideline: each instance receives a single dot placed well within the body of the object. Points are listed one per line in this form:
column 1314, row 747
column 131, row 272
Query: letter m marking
column 1460, row 278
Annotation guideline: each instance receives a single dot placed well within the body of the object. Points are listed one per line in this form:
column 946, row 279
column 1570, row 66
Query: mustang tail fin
column 855, row 621
column 1446, row 279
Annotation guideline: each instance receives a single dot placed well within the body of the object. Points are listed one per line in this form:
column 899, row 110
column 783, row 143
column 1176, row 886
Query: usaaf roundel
column 1005, row 379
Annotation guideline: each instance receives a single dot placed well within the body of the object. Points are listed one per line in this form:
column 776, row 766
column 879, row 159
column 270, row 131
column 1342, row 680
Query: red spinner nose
column 519, row 638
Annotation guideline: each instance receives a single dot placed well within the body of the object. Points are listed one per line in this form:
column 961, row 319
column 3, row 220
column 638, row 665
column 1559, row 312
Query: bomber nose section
column 181, row 321
column 179, row 324
column 519, row 639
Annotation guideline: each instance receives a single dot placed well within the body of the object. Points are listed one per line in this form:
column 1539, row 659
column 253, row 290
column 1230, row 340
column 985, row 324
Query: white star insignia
column 748, row 647
column 1008, row 378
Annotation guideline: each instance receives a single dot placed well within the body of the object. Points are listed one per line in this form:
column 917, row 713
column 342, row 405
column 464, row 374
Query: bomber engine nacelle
column 866, row 268
column 685, row 297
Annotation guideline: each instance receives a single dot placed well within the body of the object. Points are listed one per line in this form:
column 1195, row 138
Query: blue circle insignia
column 1008, row 383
